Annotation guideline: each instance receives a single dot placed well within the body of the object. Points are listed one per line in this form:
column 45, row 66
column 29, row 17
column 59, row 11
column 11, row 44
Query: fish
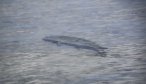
column 76, row 42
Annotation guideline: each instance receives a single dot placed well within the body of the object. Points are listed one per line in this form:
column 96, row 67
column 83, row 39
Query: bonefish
column 76, row 42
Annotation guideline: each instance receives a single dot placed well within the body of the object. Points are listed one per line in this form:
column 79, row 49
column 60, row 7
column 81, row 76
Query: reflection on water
column 26, row 59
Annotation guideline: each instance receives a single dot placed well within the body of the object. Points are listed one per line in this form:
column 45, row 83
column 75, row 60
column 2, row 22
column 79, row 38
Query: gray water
column 118, row 25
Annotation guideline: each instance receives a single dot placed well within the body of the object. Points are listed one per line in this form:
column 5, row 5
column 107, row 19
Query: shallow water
column 118, row 25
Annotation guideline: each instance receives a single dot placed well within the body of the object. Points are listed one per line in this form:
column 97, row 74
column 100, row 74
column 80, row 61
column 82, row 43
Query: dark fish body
column 78, row 43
